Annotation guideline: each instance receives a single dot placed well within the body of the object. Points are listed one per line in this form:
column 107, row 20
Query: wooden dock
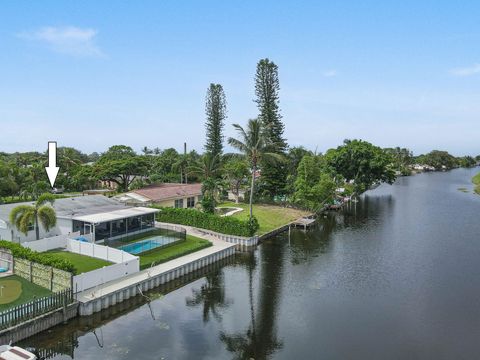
column 303, row 222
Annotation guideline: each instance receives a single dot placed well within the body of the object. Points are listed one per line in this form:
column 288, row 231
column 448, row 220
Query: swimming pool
column 148, row 244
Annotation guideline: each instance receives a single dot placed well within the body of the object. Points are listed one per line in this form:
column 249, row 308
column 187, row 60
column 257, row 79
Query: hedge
column 225, row 225
column 18, row 251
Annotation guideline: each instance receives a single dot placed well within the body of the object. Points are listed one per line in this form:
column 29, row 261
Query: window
column 31, row 227
column 179, row 203
column 191, row 202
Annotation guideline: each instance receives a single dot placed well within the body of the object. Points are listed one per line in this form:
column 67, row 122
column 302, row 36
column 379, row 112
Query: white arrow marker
column 52, row 169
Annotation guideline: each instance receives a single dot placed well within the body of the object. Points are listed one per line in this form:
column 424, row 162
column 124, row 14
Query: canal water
column 394, row 276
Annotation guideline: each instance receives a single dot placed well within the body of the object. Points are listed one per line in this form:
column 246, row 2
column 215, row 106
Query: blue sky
column 92, row 74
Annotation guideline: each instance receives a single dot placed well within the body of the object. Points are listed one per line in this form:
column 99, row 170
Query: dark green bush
column 225, row 225
column 18, row 251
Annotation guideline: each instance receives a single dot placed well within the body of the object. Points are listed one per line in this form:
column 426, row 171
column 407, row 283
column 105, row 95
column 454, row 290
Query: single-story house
column 166, row 195
column 97, row 215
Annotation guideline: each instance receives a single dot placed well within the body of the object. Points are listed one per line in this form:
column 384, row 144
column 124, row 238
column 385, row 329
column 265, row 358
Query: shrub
column 18, row 251
column 225, row 225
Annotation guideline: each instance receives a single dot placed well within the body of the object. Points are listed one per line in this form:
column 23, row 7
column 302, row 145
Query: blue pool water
column 147, row 244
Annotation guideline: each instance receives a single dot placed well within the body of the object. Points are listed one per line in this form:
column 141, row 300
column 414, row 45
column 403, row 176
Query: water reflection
column 211, row 296
column 259, row 340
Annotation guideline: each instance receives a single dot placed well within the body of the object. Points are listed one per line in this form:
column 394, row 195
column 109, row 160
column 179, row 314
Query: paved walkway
column 115, row 285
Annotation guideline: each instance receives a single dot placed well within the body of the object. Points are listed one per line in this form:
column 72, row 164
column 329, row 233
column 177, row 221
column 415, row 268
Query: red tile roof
column 166, row 191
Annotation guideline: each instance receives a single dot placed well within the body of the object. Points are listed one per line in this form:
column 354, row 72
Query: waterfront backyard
column 269, row 217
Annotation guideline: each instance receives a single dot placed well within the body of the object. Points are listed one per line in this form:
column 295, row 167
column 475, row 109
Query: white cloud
column 330, row 73
column 68, row 40
column 466, row 71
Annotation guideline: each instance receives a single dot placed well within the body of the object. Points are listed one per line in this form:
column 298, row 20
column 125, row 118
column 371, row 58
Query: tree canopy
column 361, row 162
column 121, row 165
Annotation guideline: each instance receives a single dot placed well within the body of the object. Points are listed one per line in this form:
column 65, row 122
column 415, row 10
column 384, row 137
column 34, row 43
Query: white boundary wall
column 103, row 275
column 125, row 264
column 54, row 242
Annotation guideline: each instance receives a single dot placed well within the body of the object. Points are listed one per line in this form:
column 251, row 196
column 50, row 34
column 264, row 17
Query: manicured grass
column 82, row 263
column 476, row 181
column 161, row 255
column 18, row 291
column 269, row 217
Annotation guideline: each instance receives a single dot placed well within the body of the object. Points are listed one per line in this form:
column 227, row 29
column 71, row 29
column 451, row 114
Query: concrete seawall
column 92, row 301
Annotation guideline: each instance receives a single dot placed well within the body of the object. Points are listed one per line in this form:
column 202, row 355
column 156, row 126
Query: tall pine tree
column 216, row 111
column 267, row 86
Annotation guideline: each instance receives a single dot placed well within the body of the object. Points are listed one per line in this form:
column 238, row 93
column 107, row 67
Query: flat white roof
column 115, row 215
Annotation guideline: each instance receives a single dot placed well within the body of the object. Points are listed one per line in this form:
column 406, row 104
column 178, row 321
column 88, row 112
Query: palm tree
column 207, row 168
column 253, row 144
column 23, row 216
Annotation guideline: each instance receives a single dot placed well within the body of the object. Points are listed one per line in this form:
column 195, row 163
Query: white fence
column 98, row 251
column 100, row 276
column 55, row 242
column 125, row 264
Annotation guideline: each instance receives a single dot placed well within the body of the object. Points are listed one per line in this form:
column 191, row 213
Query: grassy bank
column 476, row 181
column 82, row 263
column 269, row 217
column 161, row 255
column 17, row 290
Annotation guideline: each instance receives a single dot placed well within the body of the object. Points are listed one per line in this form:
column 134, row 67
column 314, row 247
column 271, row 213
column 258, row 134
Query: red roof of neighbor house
column 160, row 192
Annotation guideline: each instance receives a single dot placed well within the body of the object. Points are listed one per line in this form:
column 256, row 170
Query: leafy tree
column 361, row 162
column 84, row 178
column 70, row 161
column 293, row 158
column 235, row 172
column 253, row 145
column 121, row 165
column 41, row 212
column 216, row 111
column 438, row 159
column 93, row 157
column 466, row 161
column 8, row 185
column 267, row 86
column 401, row 159
column 313, row 187
column 34, row 181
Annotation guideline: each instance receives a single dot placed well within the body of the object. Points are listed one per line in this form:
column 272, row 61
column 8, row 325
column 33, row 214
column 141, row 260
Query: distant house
column 166, row 195
column 102, row 217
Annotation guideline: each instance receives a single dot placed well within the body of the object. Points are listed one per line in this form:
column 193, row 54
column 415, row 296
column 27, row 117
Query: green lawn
column 82, row 263
column 161, row 255
column 18, row 291
column 476, row 181
column 269, row 217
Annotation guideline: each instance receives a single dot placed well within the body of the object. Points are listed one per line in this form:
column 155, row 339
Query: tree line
column 263, row 165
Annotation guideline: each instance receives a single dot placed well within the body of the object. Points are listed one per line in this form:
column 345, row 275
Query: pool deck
column 108, row 294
